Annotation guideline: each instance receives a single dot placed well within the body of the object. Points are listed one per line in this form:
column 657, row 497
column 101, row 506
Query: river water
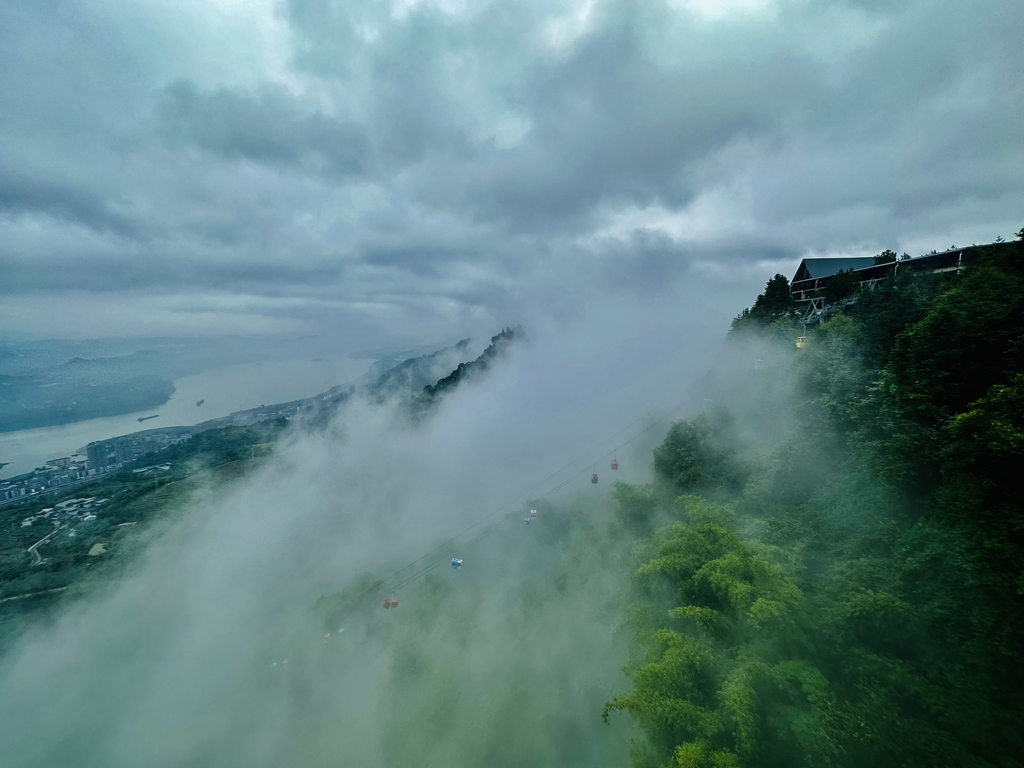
column 224, row 390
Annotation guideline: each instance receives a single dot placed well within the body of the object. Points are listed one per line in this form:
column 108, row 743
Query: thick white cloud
column 441, row 164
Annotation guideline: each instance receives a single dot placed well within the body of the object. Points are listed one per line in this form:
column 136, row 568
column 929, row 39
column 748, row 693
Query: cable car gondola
column 615, row 463
column 533, row 514
column 593, row 479
column 456, row 563
column 390, row 602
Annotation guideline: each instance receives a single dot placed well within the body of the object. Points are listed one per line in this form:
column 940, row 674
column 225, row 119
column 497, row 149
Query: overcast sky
column 423, row 169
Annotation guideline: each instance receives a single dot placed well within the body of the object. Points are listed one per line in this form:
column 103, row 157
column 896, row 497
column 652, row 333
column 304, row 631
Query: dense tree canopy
column 700, row 455
column 842, row 284
column 886, row 257
column 852, row 594
column 776, row 302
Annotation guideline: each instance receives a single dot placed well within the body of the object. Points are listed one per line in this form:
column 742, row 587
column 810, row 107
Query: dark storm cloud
column 467, row 155
column 22, row 193
column 606, row 120
column 421, row 260
column 612, row 124
column 112, row 273
column 267, row 129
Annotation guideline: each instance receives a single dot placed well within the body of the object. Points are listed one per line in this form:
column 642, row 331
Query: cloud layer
column 420, row 168
column 180, row 659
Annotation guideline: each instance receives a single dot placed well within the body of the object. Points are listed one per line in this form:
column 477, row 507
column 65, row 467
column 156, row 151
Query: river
column 224, row 390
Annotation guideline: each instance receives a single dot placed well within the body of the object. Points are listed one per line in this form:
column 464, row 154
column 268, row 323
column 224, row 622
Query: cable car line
column 480, row 535
column 444, row 544
column 488, row 529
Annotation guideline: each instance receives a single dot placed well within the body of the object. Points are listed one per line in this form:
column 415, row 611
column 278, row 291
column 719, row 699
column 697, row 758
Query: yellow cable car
column 801, row 342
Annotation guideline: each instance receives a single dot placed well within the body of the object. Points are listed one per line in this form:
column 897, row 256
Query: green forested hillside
column 847, row 587
column 498, row 346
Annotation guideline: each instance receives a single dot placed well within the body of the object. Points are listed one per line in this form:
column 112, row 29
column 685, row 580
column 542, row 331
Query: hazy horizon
column 420, row 170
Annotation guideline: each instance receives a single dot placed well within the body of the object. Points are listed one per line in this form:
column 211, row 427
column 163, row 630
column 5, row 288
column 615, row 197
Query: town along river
column 221, row 390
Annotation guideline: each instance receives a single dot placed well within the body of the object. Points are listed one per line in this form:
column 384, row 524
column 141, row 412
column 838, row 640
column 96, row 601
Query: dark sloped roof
column 828, row 265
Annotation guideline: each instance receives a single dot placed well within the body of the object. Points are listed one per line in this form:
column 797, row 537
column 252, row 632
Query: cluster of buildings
column 69, row 511
column 108, row 455
column 267, row 413
column 105, row 455
column 100, row 457
column 54, row 474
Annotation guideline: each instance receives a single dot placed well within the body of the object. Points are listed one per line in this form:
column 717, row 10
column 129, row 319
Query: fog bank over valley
column 183, row 658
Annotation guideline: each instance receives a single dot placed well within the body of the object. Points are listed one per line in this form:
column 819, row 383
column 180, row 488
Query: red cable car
column 615, row 463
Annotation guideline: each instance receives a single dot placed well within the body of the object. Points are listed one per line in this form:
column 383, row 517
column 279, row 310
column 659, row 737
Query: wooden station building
column 814, row 273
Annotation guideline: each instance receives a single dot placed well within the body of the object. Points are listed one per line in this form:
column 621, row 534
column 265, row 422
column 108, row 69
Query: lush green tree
column 774, row 303
column 635, row 508
column 719, row 684
column 981, row 465
column 699, row 455
column 842, row 284
column 968, row 341
column 883, row 539
column 885, row 311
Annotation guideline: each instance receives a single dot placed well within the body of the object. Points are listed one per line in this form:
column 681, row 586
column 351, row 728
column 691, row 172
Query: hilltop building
column 824, row 267
column 813, row 274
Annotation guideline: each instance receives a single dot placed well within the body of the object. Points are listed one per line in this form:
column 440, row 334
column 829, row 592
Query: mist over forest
column 422, row 383
column 778, row 570
column 251, row 609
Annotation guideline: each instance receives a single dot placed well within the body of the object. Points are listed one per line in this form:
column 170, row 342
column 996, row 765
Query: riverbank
column 224, row 391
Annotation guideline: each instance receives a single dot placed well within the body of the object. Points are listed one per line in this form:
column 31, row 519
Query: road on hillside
column 37, row 559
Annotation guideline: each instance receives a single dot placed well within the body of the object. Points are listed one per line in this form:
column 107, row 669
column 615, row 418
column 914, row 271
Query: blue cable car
column 456, row 563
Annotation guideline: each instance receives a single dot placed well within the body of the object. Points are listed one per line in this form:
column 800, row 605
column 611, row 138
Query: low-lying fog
column 228, row 643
